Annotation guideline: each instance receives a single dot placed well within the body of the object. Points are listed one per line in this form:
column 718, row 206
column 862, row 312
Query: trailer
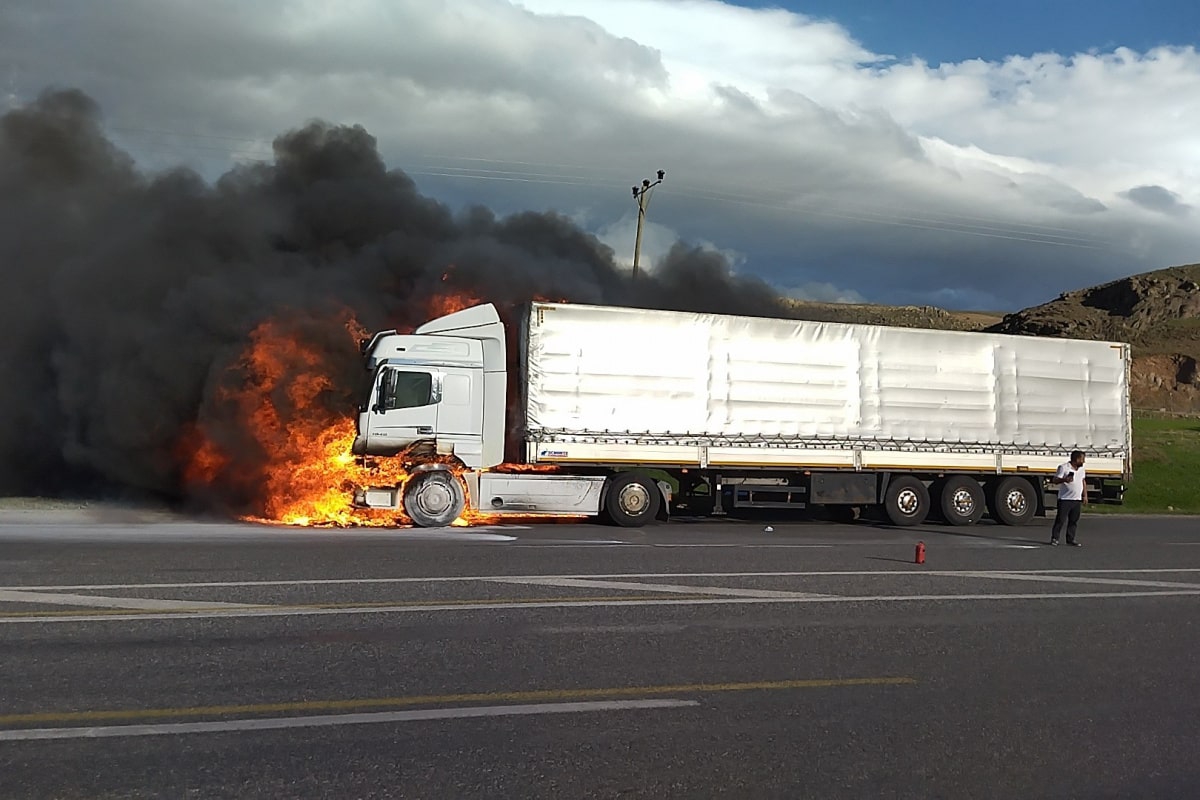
column 630, row 414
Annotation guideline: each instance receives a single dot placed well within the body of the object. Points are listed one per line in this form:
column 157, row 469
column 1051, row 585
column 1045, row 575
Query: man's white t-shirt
column 1074, row 489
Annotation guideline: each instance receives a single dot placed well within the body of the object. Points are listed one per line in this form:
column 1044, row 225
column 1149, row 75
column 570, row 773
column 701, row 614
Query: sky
column 937, row 152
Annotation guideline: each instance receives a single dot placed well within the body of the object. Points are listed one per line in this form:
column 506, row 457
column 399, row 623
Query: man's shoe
column 1074, row 544
column 1054, row 542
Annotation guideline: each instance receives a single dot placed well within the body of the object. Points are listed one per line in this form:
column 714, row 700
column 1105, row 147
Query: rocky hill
column 1157, row 312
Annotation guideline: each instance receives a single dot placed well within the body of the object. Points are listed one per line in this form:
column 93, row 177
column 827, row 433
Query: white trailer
column 643, row 411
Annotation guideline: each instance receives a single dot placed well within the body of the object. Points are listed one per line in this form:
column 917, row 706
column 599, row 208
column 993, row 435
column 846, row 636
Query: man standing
column 1072, row 494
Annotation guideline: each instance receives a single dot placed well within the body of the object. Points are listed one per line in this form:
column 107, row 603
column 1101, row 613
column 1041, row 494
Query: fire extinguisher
column 920, row 557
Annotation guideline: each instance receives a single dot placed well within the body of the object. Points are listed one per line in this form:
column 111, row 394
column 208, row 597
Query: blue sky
column 958, row 30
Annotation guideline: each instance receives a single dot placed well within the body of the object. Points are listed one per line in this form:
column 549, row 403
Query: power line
column 776, row 186
column 948, row 227
column 945, row 222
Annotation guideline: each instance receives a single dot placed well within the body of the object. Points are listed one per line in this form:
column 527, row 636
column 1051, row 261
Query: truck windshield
column 399, row 389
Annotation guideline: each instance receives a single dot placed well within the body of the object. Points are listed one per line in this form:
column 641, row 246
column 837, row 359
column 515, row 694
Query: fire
column 281, row 434
column 276, row 440
column 526, row 468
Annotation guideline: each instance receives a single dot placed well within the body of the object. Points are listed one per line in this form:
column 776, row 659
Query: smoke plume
column 129, row 298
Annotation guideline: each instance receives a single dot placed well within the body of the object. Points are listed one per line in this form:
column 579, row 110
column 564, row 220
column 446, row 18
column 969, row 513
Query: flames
column 277, row 443
column 274, row 443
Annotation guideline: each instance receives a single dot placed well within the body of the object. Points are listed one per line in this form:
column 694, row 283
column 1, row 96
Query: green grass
column 1166, row 468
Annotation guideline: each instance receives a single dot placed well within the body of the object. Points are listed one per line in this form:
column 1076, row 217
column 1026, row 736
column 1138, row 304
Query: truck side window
column 405, row 389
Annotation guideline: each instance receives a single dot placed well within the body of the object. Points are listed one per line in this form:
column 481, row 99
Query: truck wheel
column 632, row 500
column 434, row 499
column 962, row 500
column 906, row 501
column 1013, row 501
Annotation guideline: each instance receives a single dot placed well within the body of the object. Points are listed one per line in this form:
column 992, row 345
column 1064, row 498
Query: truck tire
column 1013, row 501
column 632, row 500
column 906, row 501
column 962, row 500
column 434, row 499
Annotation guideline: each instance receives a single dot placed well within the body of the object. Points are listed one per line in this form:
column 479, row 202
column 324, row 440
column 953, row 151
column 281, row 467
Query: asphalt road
column 152, row 657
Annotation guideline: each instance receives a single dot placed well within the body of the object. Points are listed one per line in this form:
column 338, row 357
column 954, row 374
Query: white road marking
column 724, row 591
column 120, row 532
column 508, row 606
column 1016, row 576
column 325, row 720
column 95, row 601
column 916, row 570
column 566, row 545
column 754, row 546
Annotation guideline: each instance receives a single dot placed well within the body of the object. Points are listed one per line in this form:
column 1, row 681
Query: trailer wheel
column 632, row 500
column 962, row 500
column 907, row 501
column 434, row 499
column 1013, row 501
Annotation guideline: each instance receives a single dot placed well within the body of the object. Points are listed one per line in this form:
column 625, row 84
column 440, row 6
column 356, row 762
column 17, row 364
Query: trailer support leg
column 718, row 508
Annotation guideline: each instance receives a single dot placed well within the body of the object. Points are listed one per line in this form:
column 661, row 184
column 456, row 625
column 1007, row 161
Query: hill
column 897, row 316
column 1156, row 312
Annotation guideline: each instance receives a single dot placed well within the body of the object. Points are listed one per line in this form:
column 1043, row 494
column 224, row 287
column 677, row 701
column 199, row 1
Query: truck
column 629, row 415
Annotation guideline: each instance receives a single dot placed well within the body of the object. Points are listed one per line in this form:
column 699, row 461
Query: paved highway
column 157, row 657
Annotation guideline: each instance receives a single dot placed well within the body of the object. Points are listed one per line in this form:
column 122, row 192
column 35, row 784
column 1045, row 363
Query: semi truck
column 629, row 414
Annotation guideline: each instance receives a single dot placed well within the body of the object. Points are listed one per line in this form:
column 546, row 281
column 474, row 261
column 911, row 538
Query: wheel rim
column 633, row 499
column 1016, row 502
column 963, row 502
column 908, row 501
column 433, row 497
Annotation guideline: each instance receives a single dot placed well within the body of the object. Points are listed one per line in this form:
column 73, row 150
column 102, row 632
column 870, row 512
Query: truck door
column 403, row 409
column 460, row 414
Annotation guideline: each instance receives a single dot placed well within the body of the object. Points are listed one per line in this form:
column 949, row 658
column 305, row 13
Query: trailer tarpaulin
column 603, row 371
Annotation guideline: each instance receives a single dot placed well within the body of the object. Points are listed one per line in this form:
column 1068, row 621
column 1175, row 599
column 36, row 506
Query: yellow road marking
column 542, row 695
column 373, row 604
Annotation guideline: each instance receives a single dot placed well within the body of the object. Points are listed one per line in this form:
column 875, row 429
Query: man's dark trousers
column 1068, row 512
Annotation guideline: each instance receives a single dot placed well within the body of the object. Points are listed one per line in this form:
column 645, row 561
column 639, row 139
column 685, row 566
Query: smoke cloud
column 128, row 299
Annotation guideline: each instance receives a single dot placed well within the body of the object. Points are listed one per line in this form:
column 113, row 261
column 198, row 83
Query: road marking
column 279, row 723
column 614, row 575
column 753, row 546
column 1016, row 576
column 529, row 696
column 96, row 601
column 11, row 619
column 363, row 605
column 578, row 583
column 249, row 532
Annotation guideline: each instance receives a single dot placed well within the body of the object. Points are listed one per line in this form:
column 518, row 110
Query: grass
column 1166, row 468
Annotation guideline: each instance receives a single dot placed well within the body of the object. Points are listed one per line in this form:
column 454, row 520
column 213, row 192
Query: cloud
column 1156, row 198
column 784, row 138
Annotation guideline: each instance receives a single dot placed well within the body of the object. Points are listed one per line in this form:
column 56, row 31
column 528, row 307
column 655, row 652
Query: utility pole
column 642, row 195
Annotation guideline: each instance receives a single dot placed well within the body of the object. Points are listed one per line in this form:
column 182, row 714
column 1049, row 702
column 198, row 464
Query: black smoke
column 126, row 297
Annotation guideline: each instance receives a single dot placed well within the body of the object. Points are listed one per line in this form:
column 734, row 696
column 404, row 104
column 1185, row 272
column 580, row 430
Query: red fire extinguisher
column 920, row 557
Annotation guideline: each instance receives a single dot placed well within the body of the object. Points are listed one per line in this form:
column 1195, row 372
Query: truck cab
column 435, row 391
